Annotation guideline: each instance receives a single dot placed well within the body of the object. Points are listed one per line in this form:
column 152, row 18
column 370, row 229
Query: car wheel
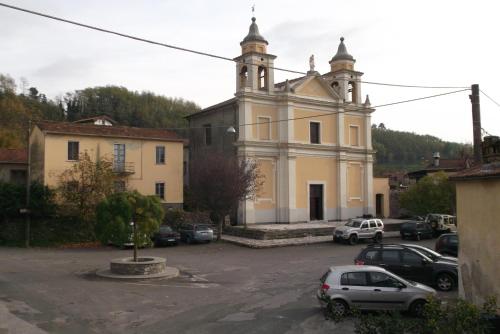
column 338, row 307
column 417, row 307
column 353, row 239
column 378, row 238
column 444, row 282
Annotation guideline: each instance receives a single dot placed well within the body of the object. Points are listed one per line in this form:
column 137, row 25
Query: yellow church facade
column 311, row 137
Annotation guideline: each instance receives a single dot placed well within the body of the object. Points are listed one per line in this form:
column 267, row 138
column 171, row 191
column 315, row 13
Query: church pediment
column 315, row 86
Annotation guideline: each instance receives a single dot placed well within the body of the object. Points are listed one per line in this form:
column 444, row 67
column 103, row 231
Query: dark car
column 416, row 230
column 196, row 233
column 411, row 264
column 432, row 254
column 447, row 244
column 166, row 236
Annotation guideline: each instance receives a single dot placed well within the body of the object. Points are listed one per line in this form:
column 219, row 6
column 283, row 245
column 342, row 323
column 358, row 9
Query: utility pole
column 28, row 191
column 476, row 123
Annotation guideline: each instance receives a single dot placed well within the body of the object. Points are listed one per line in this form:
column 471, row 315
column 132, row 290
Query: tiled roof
column 107, row 131
column 14, row 156
column 95, row 118
column 489, row 170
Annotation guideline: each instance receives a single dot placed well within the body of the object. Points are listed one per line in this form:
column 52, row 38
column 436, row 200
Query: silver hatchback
column 370, row 288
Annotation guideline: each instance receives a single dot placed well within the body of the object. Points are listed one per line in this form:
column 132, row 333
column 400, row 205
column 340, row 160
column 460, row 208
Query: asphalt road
column 222, row 288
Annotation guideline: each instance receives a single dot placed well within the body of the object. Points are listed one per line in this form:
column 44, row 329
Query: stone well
column 144, row 266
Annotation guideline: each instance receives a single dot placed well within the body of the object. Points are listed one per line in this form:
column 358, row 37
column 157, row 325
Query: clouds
column 429, row 42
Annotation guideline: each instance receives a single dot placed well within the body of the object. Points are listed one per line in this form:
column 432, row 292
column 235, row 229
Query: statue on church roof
column 311, row 63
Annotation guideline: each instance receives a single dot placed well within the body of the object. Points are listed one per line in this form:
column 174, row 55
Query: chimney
column 436, row 157
column 491, row 149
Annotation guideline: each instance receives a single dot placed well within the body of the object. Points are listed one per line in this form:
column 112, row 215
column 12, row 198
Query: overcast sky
column 436, row 43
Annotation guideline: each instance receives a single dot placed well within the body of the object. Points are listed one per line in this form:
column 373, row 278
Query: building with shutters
column 149, row 160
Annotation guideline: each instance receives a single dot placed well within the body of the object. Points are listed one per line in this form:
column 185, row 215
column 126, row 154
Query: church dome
column 253, row 34
column 342, row 53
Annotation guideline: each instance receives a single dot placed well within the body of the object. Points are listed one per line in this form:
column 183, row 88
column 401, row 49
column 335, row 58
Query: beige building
column 478, row 214
column 151, row 159
column 310, row 135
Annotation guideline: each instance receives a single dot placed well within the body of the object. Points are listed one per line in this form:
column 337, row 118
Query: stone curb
column 272, row 243
column 170, row 272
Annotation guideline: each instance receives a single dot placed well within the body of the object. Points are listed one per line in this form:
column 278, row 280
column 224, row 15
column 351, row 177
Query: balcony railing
column 121, row 167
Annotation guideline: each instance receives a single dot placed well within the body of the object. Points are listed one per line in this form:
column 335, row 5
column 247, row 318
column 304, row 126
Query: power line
column 495, row 102
column 409, row 86
column 140, row 39
column 336, row 112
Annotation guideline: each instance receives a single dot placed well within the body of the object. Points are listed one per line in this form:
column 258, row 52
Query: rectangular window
column 264, row 128
column 119, row 158
column 354, row 135
column 314, row 132
column 119, row 186
column 208, row 134
column 160, row 155
column 73, row 150
column 354, row 278
column 160, row 190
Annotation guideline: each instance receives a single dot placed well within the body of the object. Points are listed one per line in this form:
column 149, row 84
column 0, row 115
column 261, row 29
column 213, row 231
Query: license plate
column 171, row 239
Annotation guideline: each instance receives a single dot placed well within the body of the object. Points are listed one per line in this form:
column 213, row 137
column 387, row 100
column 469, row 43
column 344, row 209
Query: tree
column 433, row 193
column 126, row 214
column 84, row 185
column 218, row 183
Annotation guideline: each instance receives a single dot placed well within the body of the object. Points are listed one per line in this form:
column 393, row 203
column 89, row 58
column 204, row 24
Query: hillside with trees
column 19, row 104
column 398, row 150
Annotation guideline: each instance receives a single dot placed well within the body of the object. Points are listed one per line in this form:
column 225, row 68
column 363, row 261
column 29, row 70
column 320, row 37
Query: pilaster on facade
column 368, row 133
column 340, row 128
column 342, row 188
column 369, row 207
column 245, row 117
column 292, row 187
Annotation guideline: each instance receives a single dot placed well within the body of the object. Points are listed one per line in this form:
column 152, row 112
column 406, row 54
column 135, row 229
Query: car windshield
column 409, row 225
column 202, row 227
column 165, row 229
column 428, row 252
column 353, row 223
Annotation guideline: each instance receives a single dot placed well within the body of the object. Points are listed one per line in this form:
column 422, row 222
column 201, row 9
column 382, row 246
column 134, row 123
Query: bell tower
column 254, row 68
column 344, row 79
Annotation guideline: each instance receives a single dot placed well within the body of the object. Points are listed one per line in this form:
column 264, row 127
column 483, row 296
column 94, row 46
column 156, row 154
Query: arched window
column 352, row 93
column 243, row 76
column 262, row 77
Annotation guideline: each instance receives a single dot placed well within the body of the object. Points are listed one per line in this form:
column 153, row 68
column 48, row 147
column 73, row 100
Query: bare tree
column 84, row 185
column 218, row 183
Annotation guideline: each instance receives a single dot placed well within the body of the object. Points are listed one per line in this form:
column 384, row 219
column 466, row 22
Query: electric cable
column 140, row 39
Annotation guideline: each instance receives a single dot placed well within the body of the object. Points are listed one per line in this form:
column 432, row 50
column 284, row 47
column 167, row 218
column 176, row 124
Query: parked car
column 442, row 223
column 416, row 230
column 411, row 264
column 370, row 288
column 165, row 236
column 447, row 244
column 359, row 229
column 196, row 233
column 432, row 254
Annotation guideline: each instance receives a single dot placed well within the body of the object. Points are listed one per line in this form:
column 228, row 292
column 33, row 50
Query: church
column 310, row 135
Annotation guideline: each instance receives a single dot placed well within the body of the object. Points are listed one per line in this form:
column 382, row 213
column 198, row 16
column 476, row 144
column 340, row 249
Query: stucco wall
column 316, row 170
column 328, row 126
column 354, row 121
column 266, row 197
column 381, row 186
column 478, row 213
column 270, row 112
column 140, row 153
